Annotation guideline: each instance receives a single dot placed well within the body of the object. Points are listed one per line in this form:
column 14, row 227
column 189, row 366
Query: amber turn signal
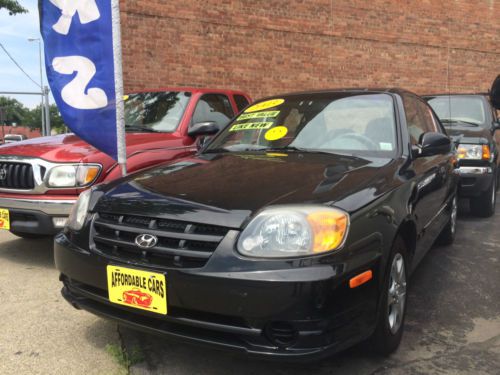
column 329, row 229
column 360, row 279
column 486, row 152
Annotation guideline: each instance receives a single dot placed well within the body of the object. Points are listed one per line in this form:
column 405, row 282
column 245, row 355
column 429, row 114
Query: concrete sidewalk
column 41, row 333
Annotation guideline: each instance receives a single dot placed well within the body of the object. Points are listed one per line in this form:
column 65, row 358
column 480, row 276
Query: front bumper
column 36, row 216
column 474, row 180
column 298, row 313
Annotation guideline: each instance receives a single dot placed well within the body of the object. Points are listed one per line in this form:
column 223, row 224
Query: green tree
column 12, row 111
column 12, row 6
column 33, row 119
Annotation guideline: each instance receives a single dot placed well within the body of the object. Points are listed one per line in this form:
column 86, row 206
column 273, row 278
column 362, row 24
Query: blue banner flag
column 78, row 43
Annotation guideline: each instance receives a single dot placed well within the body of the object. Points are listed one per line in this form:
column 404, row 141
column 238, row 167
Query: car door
column 432, row 181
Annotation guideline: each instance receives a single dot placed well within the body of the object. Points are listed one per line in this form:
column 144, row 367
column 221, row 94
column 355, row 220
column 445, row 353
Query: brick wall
column 271, row 46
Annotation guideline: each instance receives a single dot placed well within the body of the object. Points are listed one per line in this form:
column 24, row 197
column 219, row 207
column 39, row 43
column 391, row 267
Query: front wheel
column 484, row 205
column 389, row 329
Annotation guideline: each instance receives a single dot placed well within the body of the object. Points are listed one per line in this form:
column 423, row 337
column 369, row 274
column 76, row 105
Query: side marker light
column 360, row 279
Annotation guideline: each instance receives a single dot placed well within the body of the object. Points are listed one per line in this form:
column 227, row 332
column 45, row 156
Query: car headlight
column 473, row 152
column 290, row 231
column 79, row 211
column 77, row 175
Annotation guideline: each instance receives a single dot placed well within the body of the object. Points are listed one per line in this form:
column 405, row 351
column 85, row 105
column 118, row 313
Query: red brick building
column 271, row 46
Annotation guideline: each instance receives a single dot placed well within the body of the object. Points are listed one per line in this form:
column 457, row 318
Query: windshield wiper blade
column 455, row 121
column 216, row 151
column 140, row 129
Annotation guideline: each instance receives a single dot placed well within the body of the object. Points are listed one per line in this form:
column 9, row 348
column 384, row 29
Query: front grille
column 16, row 176
column 180, row 244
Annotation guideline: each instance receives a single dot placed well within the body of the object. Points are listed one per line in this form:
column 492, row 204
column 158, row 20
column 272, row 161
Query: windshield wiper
column 305, row 150
column 451, row 121
column 140, row 128
column 216, row 151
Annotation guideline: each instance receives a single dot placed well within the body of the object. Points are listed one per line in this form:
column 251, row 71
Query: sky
column 14, row 34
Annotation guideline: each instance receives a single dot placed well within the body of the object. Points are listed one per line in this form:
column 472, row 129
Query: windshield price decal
column 251, row 126
column 276, row 133
column 265, row 105
column 248, row 116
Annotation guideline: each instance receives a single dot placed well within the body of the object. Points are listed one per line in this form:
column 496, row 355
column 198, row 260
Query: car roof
column 355, row 90
column 202, row 90
column 457, row 94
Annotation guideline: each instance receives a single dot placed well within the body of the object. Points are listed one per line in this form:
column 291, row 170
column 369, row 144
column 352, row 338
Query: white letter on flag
column 87, row 11
column 74, row 92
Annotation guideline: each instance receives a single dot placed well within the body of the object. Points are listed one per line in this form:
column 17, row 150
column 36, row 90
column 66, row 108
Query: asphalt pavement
column 452, row 326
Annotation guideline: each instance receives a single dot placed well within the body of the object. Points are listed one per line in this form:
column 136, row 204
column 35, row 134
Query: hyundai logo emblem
column 146, row 241
column 3, row 174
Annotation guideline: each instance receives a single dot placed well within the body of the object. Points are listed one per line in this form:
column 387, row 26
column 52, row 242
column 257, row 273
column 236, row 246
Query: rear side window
column 429, row 119
column 415, row 119
column 213, row 107
column 241, row 102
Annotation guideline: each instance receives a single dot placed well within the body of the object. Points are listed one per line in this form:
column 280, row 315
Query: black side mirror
column 203, row 128
column 433, row 144
column 202, row 141
column 495, row 93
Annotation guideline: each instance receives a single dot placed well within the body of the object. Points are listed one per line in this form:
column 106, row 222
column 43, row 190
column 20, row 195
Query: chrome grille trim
column 180, row 244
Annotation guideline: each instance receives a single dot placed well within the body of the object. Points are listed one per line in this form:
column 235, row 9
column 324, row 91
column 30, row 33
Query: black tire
column 447, row 235
column 484, row 205
column 28, row 236
column 386, row 338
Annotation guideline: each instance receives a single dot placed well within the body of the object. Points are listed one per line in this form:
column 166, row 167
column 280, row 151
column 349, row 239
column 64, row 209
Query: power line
column 19, row 66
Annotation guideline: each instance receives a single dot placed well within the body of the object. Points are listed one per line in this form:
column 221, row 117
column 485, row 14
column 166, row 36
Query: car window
column 241, row 102
column 213, row 107
column 429, row 119
column 459, row 108
column 156, row 111
column 415, row 119
column 353, row 123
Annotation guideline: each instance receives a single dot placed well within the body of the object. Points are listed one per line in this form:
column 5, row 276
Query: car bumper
column 474, row 180
column 37, row 216
column 294, row 314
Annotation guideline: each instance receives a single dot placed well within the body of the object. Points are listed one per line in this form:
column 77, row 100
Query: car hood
column 209, row 187
column 70, row 148
column 468, row 134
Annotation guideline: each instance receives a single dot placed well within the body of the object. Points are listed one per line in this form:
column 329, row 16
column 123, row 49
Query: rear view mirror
column 203, row 128
column 433, row 144
column 495, row 93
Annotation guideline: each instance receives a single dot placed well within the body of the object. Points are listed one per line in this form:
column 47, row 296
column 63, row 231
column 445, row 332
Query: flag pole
column 117, row 57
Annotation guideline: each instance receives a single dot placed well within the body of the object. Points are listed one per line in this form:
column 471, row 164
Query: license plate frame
column 137, row 289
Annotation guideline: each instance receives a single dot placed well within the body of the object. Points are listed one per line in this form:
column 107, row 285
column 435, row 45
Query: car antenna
column 448, row 83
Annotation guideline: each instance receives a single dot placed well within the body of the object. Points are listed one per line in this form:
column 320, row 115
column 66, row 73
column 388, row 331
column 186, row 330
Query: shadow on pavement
column 32, row 252
column 162, row 354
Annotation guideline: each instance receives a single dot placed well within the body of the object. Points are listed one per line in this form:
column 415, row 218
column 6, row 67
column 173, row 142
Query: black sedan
column 292, row 234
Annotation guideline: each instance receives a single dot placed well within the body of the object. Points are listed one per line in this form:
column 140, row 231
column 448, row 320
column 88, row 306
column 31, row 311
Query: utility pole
column 47, row 110
column 43, row 107
column 2, row 120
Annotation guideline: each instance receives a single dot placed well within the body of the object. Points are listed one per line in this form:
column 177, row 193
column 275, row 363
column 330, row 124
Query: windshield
column 459, row 108
column 155, row 111
column 343, row 122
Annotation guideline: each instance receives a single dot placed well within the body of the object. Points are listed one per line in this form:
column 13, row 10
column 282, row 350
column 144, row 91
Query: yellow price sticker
column 276, row 133
column 265, row 105
column 4, row 219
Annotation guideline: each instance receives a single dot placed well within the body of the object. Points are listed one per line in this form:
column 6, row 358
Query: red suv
column 41, row 178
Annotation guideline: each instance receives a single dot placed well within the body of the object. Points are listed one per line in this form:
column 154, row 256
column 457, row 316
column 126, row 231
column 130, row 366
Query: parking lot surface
column 452, row 326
